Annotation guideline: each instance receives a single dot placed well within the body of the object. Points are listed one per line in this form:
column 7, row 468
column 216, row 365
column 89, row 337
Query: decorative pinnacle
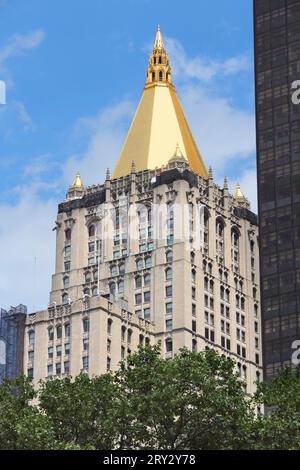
column 133, row 169
column 159, row 43
column 238, row 192
column 108, row 174
column 210, row 173
column 226, row 183
column 77, row 183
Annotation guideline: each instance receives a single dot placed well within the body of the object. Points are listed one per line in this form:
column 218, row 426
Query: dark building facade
column 12, row 327
column 277, row 68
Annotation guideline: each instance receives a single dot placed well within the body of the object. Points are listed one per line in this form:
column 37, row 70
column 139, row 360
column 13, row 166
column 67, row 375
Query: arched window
column 138, row 282
column 220, row 225
column 193, row 275
column 141, row 340
column 58, row 332
column 159, row 59
column 50, row 333
column 129, row 336
column 169, row 274
column 254, row 292
column 88, row 277
column 206, row 231
column 206, row 283
column 147, row 280
column 31, row 337
column 65, row 298
column 95, row 291
column 112, row 288
column 148, row 262
column 92, row 230
column 237, row 301
column 235, row 249
column 153, row 76
column 67, row 329
column 211, row 286
column 139, row 264
column 66, row 282
column 122, row 268
column 86, row 292
column 109, row 326
column 242, row 303
column 68, row 234
column 121, row 287
column 160, row 76
column 169, row 256
column 113, row 270
column 123, row 333
column 95, row 275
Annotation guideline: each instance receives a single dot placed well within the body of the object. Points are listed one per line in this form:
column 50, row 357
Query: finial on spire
column 238, row 192
column 210, row 173
column 107, row 174
column 77, row 183
column 159, row 43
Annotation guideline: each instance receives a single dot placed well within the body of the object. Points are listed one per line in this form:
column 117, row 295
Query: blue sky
column 74, row 71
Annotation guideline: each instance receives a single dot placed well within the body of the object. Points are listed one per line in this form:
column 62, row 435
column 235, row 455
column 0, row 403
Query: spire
column 238, row 192
column 77, row 183
column 159, row 70
column 225, row 183
column 108, row 174
column 158, row 43
column 159, row 123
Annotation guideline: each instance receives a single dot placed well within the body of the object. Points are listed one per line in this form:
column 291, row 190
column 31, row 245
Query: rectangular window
column 85, row 363
column 67, row 250
column 169, row 291
column 91, row 247
column 50, row 370
column 85, row 344
column 169, row 325
column 67, row 367
column 147, row 313
column 50, row 352
column 138, row 299
column 86, row 325
column 58, row 350
column 147, row 297
column 108, row 364
column 58, row 368
column 169, row 308
column 193, row 292
column 30, row 356
column 194, row 326
column 194, row 310
column 67, row 266
column 67, row 349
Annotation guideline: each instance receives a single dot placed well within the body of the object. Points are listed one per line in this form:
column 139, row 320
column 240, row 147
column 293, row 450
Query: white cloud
column 20, row 43
column 26, row 233
column 105, row 133
column 201, row 67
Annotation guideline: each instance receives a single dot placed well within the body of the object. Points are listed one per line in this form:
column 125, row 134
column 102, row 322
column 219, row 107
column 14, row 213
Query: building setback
column 277, row 66
column 157, row 253
column 12, row 328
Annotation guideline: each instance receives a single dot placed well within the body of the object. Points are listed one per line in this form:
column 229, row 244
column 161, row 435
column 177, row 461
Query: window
column 67, row 250
column 109, row 326
column 31, row 337
column 50, row 370
column 121, row 287
column 194, row 326
column 194, row 309
column 67, row 266
column 169, row 256
column 112, row 288
column 138, row 282
column 86, row 325
column 193, row 292
column 113, row 270
column 67, row 329
column 95, row 291
column 138, row 313
column 68, row 234
column 85, row 344
column 169, row 274
column 58, row 368
column 67, row 349
column 88, row 277
column 122, row 352
column 147, row 280
column 65, row 299
column 58, row 350
column 50, row 334
column 169, row 291
column 123, row 333
column 148, row 262
column 108, row 346
column 139, row 264
column 86, row 292
column 67, row 367
column 108, row 364
column 91, row 247
column 58, row 332
column 193, row 275
column 122, row 268
column 85, row 363
column 169, row 325
column 30, row 373
column 92, row 230
column 169, row 308
column 138, row 299
column 30, row 356
column 66, row 282
column 147, row 313
column 129, row 336
column 160, row 74
column 169, row 345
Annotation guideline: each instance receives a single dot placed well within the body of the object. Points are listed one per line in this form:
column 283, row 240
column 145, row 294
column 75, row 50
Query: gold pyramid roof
column 77, row 183
column 159, row 124
column 238, row 192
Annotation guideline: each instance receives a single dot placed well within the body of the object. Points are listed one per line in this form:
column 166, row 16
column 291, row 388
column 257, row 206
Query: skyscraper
column 277, row 68
column 157, row 253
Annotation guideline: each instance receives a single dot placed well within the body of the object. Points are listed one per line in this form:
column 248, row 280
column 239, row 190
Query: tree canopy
column 194, row 401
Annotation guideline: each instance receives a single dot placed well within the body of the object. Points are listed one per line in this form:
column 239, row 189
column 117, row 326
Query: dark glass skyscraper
column 277, row 63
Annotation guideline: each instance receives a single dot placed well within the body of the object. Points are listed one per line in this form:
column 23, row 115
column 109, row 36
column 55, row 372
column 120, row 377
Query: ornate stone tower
column 158, row 252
